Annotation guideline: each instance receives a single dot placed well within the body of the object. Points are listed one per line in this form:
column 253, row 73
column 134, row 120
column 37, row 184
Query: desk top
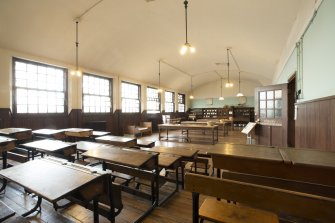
column 167, row 160
column 186, row 126
column 10, row 131
column 76, row 130
column 286, row 155
column 119, row 156
column 86, row 145
column 43, row 177
column 119, row 139
column 48, row 145
column 179, row 151
column 100, row 133
column 48, row 132
column 5, row 140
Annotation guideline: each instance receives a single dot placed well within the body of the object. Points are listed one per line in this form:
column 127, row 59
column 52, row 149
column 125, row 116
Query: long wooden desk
column 78, row 132
column 49, row 134
column 43, row 176
column 51, row 147
column 134, row 163
column 222, row 125
column 117, row 140
column 20, row 134
column 214, row 129
column 6, row 144
column 186, row 154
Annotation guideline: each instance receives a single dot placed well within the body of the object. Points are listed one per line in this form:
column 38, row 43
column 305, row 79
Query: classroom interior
column 167, row 111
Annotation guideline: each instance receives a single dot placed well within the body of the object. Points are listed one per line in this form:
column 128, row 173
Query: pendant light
column 221, row 98
column 187, row 47
column 239, row 94
column 77, row 71
column 191, row 95
column 228, row 84
column 159, row 77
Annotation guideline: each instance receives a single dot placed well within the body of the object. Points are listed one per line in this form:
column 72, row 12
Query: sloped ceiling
column 128, row 37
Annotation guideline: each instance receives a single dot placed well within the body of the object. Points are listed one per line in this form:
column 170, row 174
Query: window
column 153, row 100
column 130, row 96
column 270, row 104
column 169, row 101
column 181, row 103
column 97, row 96
column 38, row 88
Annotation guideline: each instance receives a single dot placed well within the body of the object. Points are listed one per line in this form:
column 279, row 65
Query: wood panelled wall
column 315, row 124
column 115, row 122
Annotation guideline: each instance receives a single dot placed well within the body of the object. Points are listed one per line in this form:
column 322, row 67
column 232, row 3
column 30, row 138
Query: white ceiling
column 128, row 37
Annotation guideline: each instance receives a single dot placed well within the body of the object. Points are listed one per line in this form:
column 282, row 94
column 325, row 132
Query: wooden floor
column 176, row 210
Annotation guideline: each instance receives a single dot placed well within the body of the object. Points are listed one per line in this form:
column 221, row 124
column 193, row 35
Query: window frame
column 139, row 97
column 110, row 80
column 173, row 101
column 14, row 87
column 159, row 101
column 184, row 100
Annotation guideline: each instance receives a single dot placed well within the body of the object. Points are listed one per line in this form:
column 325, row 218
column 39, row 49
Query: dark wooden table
column 17, row 133
column 49, row 133
column 51, row 147
column 221, row 124
column 43, row 176
column 117, row 140
column 6, row 144
column 132, row 162
column 186, row 127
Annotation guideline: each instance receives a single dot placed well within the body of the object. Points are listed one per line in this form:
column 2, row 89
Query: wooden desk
column 43, row 177
column 145, row 143
column 51, row 147
column 49, row 133
column 84, row 146
column 17, row 133
column 134, row 163
column 117, row 141
column 214, row 129
column 223, row 124
column 6, row 144
column 78, row 132
column 186, row 154
column 302, row 170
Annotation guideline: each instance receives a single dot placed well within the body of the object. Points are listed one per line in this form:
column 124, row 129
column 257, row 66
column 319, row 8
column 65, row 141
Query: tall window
column 130, row 96
column 153, row 100
column 97, row 96
column 181, row 103
column 169, row 101
column 270, row 104
column 38, row 88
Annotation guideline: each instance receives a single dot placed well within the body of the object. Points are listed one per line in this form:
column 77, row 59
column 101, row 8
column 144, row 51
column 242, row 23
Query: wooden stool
column 220, row 211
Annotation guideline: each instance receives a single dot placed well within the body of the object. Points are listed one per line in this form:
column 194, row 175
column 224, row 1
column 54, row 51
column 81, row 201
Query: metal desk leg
column 95, row 211
column 37, row 206
column 4, row 160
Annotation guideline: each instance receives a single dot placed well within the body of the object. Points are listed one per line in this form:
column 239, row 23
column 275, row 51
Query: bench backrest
column 279, row 201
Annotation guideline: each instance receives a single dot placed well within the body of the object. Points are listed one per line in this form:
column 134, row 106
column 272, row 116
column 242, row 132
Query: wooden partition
column 315, row 124
column 115, row 122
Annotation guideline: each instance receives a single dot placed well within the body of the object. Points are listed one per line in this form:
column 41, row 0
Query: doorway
column 291, row 99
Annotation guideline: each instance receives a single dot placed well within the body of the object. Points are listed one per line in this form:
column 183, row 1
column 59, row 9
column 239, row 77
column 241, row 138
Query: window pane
column 130, row 97
column 269, row 95
column 262, row 104
column 36, row 85
column 169, row 101
column 269, row 113
column 278, row 94
column 96, row 94
column 262, row 95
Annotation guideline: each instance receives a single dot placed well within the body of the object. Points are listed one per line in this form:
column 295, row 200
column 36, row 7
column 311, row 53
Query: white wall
column 318, row 70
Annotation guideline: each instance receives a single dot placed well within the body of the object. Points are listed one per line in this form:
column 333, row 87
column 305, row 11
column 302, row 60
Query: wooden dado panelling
column 116, row 122
column 315, row 124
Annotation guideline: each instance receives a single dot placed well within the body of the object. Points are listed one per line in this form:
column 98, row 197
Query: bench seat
column 221, row 211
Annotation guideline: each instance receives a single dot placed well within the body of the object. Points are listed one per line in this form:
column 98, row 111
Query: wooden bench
column 5, row 212
column 263, row 198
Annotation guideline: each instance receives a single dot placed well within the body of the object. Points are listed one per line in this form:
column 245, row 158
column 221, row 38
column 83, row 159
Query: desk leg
column 167, row 134
column 96, row 211
column 4, row 184
column 195, row 207
column 4, row 160
column 182, row 175
column 37, row 206
column 159, row 134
